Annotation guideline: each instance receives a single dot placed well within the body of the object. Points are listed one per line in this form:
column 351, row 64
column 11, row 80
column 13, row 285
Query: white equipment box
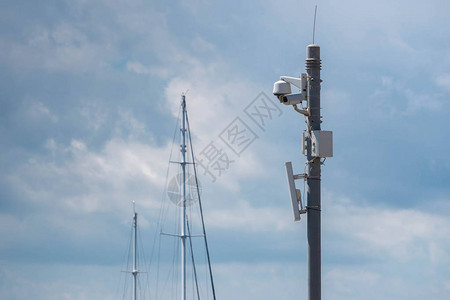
column 321, row 143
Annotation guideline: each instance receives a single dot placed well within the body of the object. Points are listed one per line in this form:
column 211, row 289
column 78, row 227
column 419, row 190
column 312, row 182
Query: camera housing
column 292, row 99
column 282, row 89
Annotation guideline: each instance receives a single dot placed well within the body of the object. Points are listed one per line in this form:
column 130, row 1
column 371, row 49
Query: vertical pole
column 135, row 271
column 183, row 211
column 313, row 172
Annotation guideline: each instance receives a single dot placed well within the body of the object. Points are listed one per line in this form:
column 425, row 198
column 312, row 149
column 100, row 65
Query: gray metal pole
column 313, row 174
column 183, row 211
column 135, row 271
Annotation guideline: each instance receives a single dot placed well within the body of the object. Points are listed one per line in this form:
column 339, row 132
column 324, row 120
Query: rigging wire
column 124, row 260
column 125, row 289
column 142, row 285
column 141, row 256
column 192, row 257
column 201, row 210
column 163, row 212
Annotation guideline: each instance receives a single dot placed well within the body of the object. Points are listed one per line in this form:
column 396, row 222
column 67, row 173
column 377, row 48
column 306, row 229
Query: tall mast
column 183, row 210
column 319, row 144
column 313, row 172
column 135, row 271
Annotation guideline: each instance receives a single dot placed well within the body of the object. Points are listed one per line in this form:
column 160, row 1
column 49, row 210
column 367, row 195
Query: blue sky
column 89, row 98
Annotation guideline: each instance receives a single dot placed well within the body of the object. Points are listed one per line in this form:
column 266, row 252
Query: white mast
column 183, row 210
column 134, row 272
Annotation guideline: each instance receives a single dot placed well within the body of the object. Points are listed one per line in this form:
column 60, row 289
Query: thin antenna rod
column 314, row 26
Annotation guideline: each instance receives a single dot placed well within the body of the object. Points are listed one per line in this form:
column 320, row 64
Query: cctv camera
column 281, row 88
column 292, row 99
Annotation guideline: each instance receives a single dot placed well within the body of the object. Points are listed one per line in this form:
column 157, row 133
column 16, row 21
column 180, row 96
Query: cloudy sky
column 90, row 93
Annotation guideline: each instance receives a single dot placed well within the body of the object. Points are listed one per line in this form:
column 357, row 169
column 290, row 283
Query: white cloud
column 63, row 47
column 19, row 281
column 352, row 281
column 337, row 101
column 137, row 67
column 248, row 218
column 418, row 102
column 394, row 97
column 260, row 280
column 127, row 125
column 162, row 72
column 401, row 235
column 214, row 100
column 200, row 44
column 39, row 110
column 88, row 181
column 95, row 114
column 443, row 81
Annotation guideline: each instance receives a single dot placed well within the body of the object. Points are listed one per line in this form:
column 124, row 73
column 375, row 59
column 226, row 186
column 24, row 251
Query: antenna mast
column 183, row 210
column 313, row 66
column 314, row 26
column 135, row 271
column 184, row 222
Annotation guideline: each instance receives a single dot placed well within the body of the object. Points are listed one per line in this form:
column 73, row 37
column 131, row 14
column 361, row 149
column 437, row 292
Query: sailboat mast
column 183, row 211
column 135, row 271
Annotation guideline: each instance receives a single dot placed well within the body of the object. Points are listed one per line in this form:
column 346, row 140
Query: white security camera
column 292, row 99
column 282, row 89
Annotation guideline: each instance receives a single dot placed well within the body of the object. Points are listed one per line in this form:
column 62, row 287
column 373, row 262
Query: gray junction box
column 321, row 143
